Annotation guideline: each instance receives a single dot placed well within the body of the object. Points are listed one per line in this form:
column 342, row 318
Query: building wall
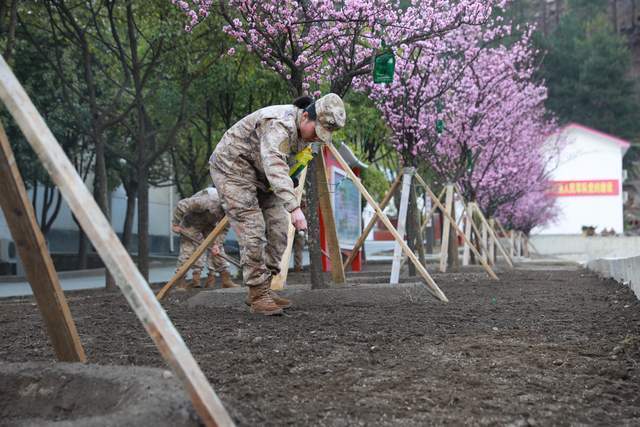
column 588, row 156
column 64, row 234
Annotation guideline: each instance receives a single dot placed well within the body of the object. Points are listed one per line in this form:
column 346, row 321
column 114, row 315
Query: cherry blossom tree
column 536, row 208
column 309, row 42
column 495, row 142
column 495, row 125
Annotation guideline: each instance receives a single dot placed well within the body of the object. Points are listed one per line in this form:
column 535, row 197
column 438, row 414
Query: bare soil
column 542, row 346
column 85, row 395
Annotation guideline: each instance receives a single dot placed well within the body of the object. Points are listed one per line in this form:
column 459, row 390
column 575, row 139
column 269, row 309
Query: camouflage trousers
column 260, row 221
column 188, row 247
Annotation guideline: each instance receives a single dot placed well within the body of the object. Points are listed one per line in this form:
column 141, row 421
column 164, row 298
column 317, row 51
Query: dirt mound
column 365, row 295
column 73, row 394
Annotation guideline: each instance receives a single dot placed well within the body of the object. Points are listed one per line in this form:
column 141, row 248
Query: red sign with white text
column 598, row 187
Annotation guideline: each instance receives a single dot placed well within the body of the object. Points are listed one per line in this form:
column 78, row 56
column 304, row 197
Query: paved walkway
column 159, row 272
column 87, row 279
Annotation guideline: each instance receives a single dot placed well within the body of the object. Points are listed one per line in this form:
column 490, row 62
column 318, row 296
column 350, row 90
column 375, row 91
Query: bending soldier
column 249, row 168
column 193, row 219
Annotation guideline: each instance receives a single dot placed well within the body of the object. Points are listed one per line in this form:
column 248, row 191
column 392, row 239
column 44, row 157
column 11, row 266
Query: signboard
column 346, row 208
column 599, row 187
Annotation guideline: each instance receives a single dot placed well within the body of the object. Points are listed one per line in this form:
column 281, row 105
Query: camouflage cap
column 330, row 116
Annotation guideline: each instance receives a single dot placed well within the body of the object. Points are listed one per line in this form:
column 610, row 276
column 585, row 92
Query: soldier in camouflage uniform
column 250, row 170
column 193, row 219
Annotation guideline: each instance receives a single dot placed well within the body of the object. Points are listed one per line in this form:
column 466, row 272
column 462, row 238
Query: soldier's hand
column 215, row 250
column 176, row 228
column 298, row 220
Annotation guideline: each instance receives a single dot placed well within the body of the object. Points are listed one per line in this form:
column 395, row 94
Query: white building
column 587, row 180
column 63, row 236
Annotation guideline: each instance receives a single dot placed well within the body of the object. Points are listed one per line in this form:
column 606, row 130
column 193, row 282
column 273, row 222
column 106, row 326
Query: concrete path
column 160, row 272
column 76, row 280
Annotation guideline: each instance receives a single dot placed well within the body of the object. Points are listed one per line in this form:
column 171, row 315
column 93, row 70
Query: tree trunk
column 34, row 196
column 413, row 227
column 11, row 32
column 141, row 148
column 453, row 260
column 475, row 238
column 82, row 250
column 313, row 223
column 127, row 228
column 430, row 231
column 143, row 218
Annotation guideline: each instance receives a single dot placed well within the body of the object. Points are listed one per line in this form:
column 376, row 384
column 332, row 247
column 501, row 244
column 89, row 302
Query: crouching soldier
column 249, row 167
column 193, row 219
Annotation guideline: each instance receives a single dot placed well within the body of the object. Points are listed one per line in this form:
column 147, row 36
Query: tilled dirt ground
column 540, row 347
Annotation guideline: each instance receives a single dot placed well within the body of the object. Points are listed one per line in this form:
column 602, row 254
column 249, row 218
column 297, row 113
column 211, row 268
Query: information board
column 346, row 208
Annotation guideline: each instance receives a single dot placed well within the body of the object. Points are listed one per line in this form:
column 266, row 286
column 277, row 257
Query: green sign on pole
column 384, row 65
column 439, row 122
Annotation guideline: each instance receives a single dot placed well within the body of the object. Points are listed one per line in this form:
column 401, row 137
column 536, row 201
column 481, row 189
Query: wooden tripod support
column 372, row 222
column 431, row 284
column 134, row 287
column 432, row 211
column 492, row 232
column 324, row 199
column 277, row 282
column 184, row 268
column 35, row 256
column 407, row 176
column 453, row 222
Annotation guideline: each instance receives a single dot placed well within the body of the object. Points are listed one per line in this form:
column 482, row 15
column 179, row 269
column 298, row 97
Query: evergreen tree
column 587, row 70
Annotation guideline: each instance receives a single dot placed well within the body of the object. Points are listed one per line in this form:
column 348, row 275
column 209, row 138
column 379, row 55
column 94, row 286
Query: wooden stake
column 402, row 220
column 333, row 244
column 485, row 241
column 501, row 228
column 491, row 231
column 512, row 243
column 277, row 282
column 431, row 284
column 504, row 233
column 492, row 243
column 446, row 229
column 35, row 256
column 221, row 255
column 483, row 219
column 472, row 207
column 372, row 222
column 184, row 268
column 466, row 255
column 432, row 211
column 135, row 289
column 488, row 269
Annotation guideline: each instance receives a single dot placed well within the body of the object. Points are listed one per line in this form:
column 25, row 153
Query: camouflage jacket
column 200, row 213
column 262, row 141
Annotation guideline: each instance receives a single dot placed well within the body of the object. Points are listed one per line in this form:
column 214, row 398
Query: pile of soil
column 38, row 393
column 541, row 346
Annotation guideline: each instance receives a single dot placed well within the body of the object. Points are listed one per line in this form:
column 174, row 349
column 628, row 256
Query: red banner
column 598, row 187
